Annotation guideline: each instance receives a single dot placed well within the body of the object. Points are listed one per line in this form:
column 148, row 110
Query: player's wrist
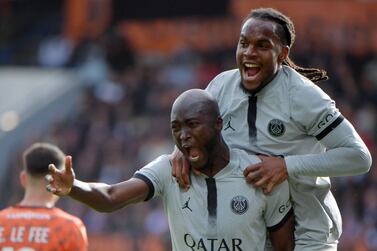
column 287, row 165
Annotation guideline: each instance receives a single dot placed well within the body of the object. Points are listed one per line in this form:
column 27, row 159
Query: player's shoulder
column 229, row 76
column 295, row 79
column 163, row 160
column 55, row 216
column 229, row 73
column 301, row 89
column 63, row 216
column 225, row 78
column 297, row 82
column 224, row 85
column 70, row 227
column 17, row 211
column 158, row 169
column 6, row 211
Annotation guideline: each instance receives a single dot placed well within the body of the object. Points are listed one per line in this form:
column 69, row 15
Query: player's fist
column 60, row 181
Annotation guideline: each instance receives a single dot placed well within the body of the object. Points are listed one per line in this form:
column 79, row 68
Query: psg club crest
column 276, row 127
column 239, row 204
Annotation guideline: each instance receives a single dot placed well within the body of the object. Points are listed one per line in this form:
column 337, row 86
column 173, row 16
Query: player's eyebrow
column 242, row 36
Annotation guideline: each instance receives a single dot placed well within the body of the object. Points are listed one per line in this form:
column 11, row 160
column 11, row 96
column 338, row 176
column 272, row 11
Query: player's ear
column 284, row 53
column 219, row 124
column 23, row 178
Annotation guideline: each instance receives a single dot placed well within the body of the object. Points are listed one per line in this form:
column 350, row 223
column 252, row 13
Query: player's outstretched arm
column 99, row 196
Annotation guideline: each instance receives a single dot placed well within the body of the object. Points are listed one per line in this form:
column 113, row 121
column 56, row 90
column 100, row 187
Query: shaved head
column 197, row 100
column 196, row 129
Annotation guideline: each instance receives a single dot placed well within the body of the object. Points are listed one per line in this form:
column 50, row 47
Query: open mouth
column 191, row 153
column 251, row 69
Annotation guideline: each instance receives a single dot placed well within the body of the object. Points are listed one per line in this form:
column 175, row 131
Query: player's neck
column 38, row 199
column 26, row 203
column 219, row 160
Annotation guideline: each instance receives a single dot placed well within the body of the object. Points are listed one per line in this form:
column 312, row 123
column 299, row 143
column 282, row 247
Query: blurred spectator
column 54, row 51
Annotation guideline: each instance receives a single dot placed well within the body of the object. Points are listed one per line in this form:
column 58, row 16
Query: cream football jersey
column 218, row 213
column 292, row 116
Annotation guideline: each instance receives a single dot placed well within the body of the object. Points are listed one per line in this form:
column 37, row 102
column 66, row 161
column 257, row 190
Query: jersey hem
column 281, row 223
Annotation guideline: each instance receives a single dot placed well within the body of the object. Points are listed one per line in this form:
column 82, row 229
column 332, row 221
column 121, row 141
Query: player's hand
column 267, row 174
column 181, row 169
column 60, row 182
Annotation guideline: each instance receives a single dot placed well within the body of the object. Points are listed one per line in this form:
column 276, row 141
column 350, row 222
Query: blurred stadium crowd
column 123, row 121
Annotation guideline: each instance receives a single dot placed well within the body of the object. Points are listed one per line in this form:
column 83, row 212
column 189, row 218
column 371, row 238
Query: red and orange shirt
column 42, row 229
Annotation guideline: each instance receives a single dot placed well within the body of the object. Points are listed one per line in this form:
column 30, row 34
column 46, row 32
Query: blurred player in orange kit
column 35, row 223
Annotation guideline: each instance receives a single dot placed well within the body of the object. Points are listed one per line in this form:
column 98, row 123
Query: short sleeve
column 278, row 205
column 158, row 172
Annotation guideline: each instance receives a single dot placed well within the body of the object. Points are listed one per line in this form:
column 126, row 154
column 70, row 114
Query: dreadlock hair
column 287, row 34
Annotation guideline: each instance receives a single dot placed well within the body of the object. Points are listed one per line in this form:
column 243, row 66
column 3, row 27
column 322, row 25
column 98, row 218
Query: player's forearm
column 95, row 195
column 107, row 198
column 346, row 155
column 333, row 163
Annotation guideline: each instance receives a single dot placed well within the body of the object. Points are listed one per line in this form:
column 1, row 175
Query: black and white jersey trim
column 211, row 197
column 331, row 127
column 149, row 183
column 281, row 223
